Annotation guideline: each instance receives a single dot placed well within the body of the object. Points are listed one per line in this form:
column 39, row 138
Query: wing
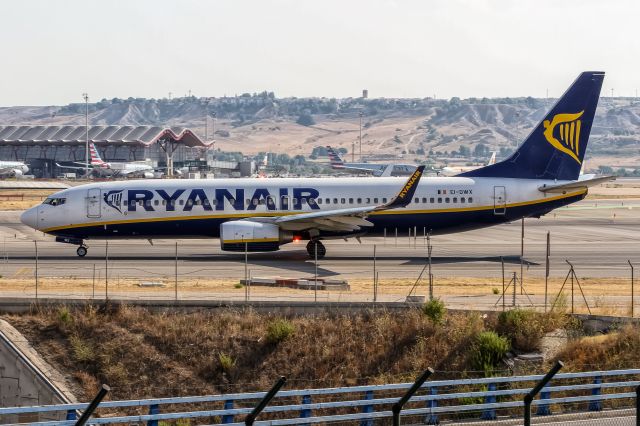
column 578, row 184
column 73, row 167
column 345, row 220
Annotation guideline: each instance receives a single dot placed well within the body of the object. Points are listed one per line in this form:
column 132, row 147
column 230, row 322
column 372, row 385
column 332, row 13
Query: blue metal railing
column 365, row 407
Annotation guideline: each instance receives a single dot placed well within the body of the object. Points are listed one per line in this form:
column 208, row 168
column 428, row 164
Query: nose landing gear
column 82, row 251
column 314, row 245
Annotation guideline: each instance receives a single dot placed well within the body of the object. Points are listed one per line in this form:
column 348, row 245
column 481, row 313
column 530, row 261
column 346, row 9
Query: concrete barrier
column 26, row 379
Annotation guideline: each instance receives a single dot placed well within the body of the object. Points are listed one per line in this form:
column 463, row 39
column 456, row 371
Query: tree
column 305, row 120
column 464, row 151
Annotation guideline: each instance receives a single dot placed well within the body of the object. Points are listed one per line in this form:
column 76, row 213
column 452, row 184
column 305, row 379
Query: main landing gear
column 314, row 245
column 82, row 251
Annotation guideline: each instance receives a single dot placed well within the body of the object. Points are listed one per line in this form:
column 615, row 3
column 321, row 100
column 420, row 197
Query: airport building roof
column 70, row 135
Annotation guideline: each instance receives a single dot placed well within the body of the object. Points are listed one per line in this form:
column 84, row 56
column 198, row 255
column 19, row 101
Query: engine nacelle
column 17, row 173
column 257, row 236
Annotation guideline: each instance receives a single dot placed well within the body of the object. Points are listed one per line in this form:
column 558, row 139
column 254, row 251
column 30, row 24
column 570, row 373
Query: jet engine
column 16, row 173
column 257, row 236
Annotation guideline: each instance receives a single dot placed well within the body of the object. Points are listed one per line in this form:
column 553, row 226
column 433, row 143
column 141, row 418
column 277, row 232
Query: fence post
column 544, row 409
column 528, row 399
column 153, row 409
column 432, row 419
column 305, row 412
column 490, row 413
column 251, row 418
column 638, row 406
column 104, row 389
column 596, row 405
column 397, row 407
column 228, row 418
column 368, row 395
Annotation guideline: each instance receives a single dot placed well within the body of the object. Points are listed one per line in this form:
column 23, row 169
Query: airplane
column 114, row 169
column 378, row 170
column 455, row 170
column 13, row 168
column 261, row 215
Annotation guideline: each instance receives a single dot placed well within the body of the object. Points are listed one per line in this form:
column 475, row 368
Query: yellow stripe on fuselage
column 288, row 213
column 254, row 240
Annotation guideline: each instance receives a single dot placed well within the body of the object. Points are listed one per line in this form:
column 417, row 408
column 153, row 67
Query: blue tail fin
column 555, row 148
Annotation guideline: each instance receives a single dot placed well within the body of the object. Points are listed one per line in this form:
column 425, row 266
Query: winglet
column 406, row 193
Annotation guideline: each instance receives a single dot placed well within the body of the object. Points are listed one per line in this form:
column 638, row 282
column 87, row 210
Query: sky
column 53, row 51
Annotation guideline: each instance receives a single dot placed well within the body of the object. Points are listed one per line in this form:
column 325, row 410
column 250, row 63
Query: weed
column 488, row 350
column 525, row 328
column 435, row 310
column 82, row 350
column 279, row 330
column 238, row 285
column 495, row 290
column 226, row 361
column 64, row 318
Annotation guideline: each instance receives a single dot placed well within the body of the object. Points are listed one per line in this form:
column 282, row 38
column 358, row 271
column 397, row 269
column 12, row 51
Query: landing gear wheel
column 314, row 245
column 82, row 251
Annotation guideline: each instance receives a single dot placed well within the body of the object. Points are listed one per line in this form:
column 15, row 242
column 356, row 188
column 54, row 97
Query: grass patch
column 488, row 351
column 279, row 330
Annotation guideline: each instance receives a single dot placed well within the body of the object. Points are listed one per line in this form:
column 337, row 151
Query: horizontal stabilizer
column 578, row 184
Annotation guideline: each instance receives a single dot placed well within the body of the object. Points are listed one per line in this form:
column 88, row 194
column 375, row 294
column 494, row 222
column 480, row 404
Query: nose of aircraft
column 30, row 218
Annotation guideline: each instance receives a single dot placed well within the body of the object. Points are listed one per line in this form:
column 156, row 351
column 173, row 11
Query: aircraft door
column 94, row 202
column 499, row 200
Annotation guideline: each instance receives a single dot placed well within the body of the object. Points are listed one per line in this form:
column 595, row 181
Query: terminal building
column 45, row 148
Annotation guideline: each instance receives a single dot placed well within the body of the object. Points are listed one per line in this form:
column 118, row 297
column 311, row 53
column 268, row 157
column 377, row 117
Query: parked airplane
column 114, row 169
column 13, row 168
column 263, row 214
column 456, row 170
column 375, row 169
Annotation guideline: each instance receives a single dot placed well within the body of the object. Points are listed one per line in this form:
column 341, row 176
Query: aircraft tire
column 81, row 251
column 311, row 248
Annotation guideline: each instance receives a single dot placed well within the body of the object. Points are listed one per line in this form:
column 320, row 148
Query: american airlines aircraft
column 13, row 168
column 263, row 214
column 375, row 169
column 456, row 170
column 103, row 168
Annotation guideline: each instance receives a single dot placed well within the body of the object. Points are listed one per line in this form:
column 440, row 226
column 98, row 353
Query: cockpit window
column 53, row 201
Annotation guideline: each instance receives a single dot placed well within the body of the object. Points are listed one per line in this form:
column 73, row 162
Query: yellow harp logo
column 568, row 140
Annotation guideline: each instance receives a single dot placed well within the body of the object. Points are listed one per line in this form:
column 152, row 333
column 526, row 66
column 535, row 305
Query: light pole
column 360, row 141
column 206, row 119
column 213, row 136
column 85, row 96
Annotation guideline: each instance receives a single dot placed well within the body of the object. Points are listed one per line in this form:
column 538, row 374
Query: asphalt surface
column 597, row 237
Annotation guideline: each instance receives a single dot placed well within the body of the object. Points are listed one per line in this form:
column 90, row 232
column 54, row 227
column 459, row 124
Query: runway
column 587, row 234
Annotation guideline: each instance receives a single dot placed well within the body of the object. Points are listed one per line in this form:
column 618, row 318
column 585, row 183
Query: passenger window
column 350, row 200
column 311, row 201
column 182, row 202
column 284, row 201
column 446, row 200
column 335, row 201
column 214, row 202
column 255, row 201
column 319, row 200
column 156, row 202
column 455, row 199
column 417, row 200
column 368, row 200
column 189, row 202
column 439, row 199
column 432, row 200
column 462, row 200
column 295, row 201
column 343, row 200
column 141, row 203
column 384, row 200
column 375, row 201
column 359, row 200
column 424, row 200
column 471, row 199
column 270, row 201
column 327, row 200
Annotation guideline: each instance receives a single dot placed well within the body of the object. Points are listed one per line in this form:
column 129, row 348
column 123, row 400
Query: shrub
column 64, row 318
column 495, row 290
column 226, row 361
column 525, row 328
column 435, row 310
column 279, row 330
column 488, row 350
column 305, row 120
column 237, row 285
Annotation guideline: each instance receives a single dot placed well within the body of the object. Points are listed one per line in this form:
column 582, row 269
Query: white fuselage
column 126, row 209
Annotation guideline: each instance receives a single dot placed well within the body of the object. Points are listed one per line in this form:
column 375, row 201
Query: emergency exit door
column 94, row 202
column 499, row 200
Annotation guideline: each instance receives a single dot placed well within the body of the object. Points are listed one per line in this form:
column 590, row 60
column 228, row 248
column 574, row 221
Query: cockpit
column 54, row 201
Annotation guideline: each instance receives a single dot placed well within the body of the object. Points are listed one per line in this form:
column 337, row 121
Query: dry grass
column 22, row 199
column 142, row 354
